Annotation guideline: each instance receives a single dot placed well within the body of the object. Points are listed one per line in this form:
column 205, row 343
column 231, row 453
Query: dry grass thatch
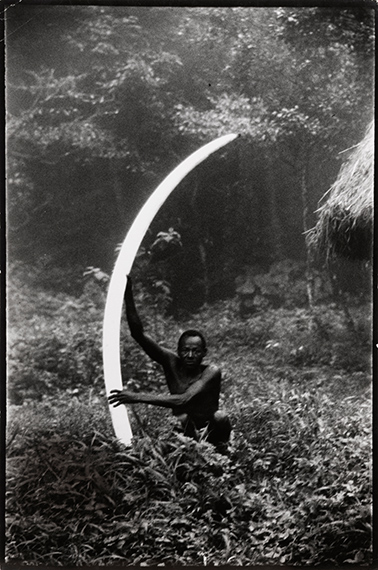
column 345, row 219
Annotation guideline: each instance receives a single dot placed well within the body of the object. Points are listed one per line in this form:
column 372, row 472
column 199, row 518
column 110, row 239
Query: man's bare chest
column 179, row 380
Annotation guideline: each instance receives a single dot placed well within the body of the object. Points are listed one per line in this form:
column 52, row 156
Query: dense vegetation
column 102, row 102
column 294, row 489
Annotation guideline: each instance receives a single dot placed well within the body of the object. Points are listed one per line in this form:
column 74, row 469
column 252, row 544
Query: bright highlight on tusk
column 123, row 265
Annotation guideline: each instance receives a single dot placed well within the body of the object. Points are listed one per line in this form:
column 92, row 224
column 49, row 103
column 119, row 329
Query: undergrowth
column 295, row 488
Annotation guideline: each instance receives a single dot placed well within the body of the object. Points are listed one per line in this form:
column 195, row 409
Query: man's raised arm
column 150, row 347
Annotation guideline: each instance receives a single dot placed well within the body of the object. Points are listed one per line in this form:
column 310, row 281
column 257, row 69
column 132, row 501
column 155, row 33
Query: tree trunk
column 201, row 242
column 310, row 280
column 274, row 219
column 206, row 281
column 340, row 301
column 118, row 189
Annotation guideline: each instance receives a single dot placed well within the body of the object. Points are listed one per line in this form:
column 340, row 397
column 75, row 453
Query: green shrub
column 295, row 488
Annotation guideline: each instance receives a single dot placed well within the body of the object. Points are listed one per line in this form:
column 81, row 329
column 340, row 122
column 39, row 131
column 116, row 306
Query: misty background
column 102, row 103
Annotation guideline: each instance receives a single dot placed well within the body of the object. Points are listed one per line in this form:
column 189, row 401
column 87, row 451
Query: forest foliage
column 295, row 487
column 103, row 102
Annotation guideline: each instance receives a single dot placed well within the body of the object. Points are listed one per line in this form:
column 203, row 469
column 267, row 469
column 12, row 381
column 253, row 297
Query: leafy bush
column 294, row 489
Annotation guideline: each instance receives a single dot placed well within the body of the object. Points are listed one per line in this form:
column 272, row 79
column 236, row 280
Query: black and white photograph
column 189, row 284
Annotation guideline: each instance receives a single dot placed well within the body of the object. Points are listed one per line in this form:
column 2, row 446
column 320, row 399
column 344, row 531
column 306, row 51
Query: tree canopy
column 102, row 102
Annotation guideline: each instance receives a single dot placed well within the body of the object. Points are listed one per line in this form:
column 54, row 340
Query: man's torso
column 203, row 405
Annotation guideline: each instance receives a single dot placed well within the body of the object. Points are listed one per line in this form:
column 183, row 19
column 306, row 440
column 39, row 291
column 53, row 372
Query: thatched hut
column 345, row 224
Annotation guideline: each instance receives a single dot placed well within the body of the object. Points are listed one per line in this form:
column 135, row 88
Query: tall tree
column 107, row 114
column 123, row 94
column 301, row 110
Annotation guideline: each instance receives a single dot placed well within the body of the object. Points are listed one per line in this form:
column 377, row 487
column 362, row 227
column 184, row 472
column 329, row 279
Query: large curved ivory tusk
column 117, row 285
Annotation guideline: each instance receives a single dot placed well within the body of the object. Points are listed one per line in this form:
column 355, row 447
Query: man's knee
column 219, row 428
column 183, row 419
column 221, row 417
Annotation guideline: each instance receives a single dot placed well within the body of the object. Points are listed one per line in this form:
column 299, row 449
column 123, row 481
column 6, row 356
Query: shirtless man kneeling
column 194, row 387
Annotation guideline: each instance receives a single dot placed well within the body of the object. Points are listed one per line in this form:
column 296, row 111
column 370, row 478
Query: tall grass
column 295, row 488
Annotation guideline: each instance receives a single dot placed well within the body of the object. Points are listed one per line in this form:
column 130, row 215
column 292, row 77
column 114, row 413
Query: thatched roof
column 345, row 224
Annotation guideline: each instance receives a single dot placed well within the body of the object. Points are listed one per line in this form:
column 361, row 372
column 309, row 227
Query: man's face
column 191, row 351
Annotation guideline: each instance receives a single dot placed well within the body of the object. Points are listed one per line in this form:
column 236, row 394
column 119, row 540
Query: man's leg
column 219, row 430
column 188, row 426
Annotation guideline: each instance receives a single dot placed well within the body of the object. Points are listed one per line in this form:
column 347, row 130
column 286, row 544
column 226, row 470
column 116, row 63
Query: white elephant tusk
column 117, row 285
